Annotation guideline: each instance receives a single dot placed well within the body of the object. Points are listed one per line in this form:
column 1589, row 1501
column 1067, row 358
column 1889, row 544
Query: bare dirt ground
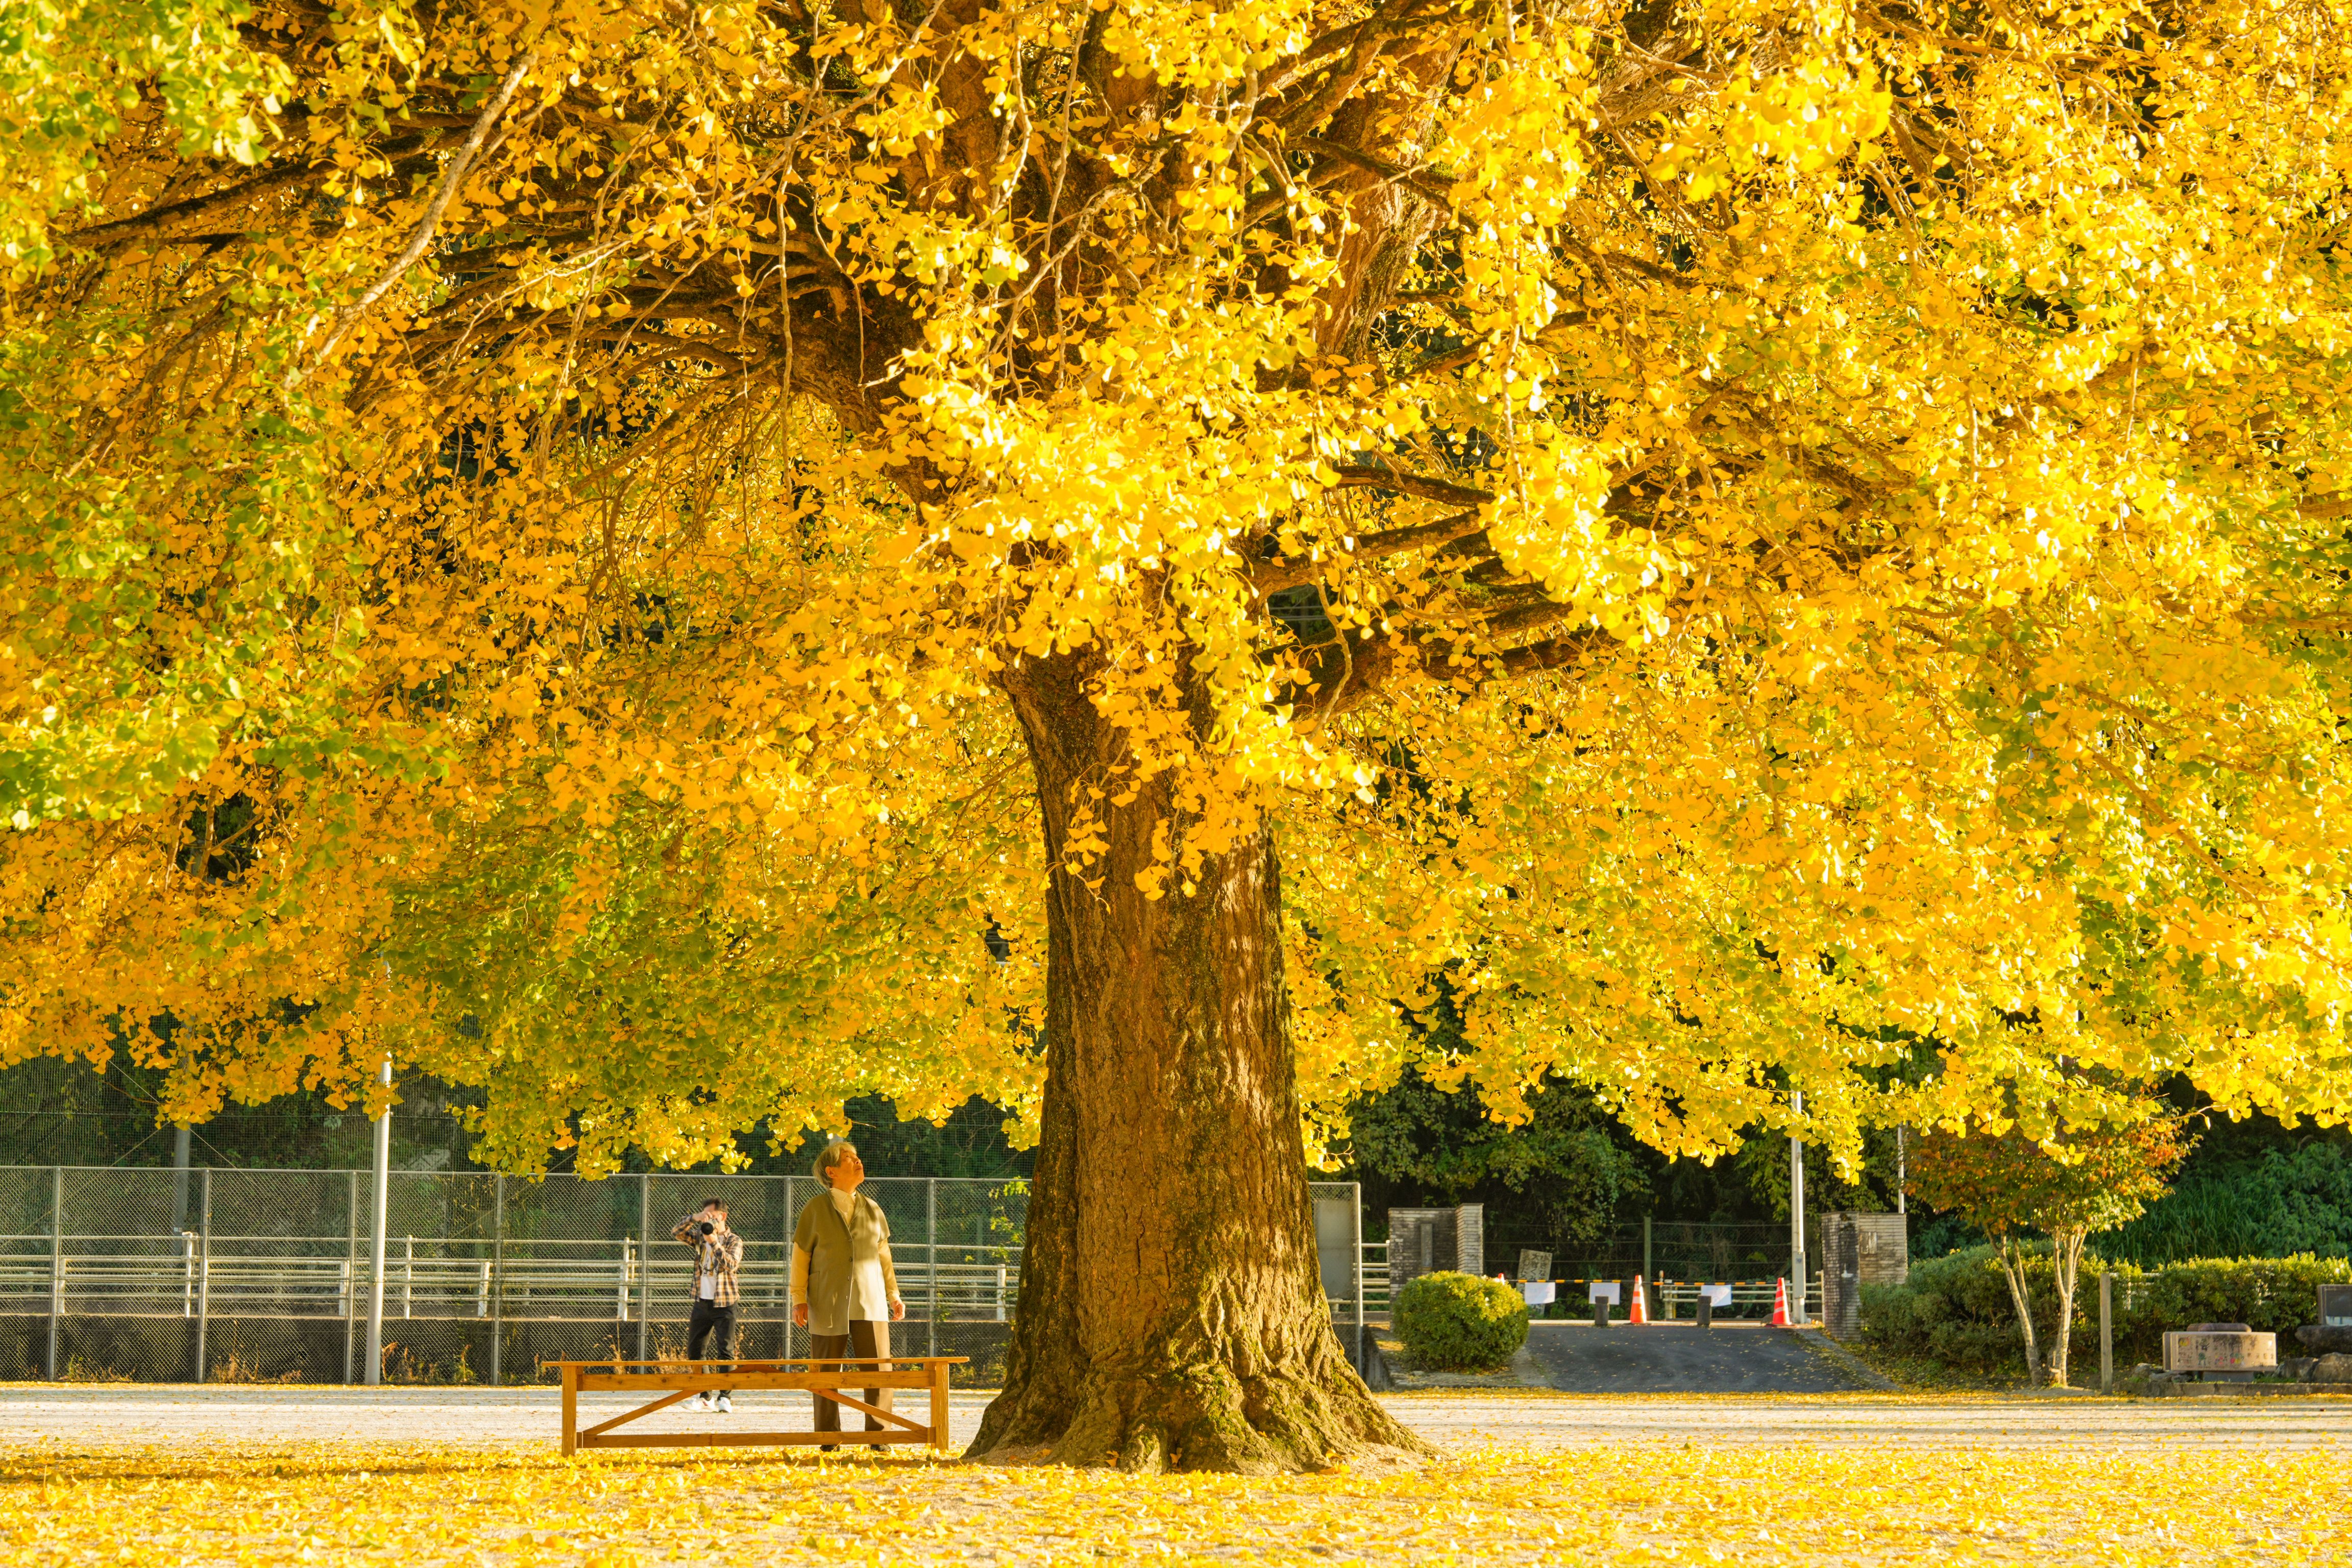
column 176, row 1415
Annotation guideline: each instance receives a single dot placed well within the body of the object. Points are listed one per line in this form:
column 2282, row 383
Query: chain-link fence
column 263, row 1275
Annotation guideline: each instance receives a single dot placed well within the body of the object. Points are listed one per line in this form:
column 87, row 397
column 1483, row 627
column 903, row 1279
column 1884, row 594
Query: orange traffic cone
column 1780, row 1305
column 1640, row 1312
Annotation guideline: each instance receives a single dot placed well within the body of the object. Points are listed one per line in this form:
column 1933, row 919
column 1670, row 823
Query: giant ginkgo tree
column 681, row 562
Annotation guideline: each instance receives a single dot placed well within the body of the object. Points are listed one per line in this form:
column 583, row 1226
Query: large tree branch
column 1343, row 674
column 351, row 314
column 1364, row 476
column 1414, row 179
column 152, row 222
column 1273, row 576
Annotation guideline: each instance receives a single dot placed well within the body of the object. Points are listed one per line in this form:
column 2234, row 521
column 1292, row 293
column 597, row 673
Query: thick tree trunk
column 1171, row 1314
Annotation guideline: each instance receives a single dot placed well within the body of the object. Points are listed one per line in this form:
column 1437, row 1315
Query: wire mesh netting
column 108, row 1274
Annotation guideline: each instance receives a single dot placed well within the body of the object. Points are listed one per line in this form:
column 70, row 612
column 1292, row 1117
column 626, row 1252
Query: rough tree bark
column 2011, row 1255
column 1172, row 1313
column 2066, row 1255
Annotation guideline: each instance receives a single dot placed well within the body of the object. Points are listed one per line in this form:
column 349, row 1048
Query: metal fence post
column 645, row 1266
column 1356, row 1258
column 498, row 1276
column 57, row 1262
column 204, row 1267
column 2106, row 1331
column 1649, row 1274
column 792, row 1333
column 931, row 1266
column 351, row 1279
column 379, row 1219
column 1797, row 1276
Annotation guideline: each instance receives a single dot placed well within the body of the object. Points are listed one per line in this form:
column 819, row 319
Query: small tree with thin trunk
column 2082, row 1181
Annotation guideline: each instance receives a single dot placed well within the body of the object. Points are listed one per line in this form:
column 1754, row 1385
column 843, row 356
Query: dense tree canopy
column 1912, row 432
column 683, row 561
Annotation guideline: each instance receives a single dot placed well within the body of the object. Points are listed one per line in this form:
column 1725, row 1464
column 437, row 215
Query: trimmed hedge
column 1957, row 1310
column 1459, row 1322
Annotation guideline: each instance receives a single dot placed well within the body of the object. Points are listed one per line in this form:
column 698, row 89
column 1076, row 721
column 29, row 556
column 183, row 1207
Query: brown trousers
column 866, row 1337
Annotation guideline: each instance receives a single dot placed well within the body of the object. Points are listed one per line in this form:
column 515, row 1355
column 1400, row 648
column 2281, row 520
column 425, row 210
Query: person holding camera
column 718, row 1262
column 844, row 1289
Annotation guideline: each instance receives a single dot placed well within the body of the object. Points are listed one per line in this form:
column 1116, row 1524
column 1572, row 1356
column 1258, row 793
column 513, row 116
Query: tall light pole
column 1797, row 1210
column 381, row 1206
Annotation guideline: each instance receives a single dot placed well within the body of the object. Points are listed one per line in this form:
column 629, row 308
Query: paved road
column 32, row 1415
column 1681, row 1358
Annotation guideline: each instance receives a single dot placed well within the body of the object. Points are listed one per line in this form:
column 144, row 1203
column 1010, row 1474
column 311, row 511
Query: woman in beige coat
column 844, row 1289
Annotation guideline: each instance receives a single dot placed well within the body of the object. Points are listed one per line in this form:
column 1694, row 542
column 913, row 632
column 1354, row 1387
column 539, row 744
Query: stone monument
column 1429, row 1241
column 2332, row 1333
column 2225, row 1353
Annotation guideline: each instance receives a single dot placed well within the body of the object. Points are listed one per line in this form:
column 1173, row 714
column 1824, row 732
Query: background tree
column 2008, row 1183
column 1564, row 1167
column 681, row 564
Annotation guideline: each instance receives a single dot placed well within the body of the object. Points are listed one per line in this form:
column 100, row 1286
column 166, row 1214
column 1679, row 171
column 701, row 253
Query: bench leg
column 940, row 1408
column 570, row 1410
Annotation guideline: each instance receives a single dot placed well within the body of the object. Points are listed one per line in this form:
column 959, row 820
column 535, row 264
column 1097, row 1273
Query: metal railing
column 149, row 1274
column 597, row 1281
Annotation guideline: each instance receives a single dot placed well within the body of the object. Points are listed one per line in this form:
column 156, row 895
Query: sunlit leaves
column 1778, row 548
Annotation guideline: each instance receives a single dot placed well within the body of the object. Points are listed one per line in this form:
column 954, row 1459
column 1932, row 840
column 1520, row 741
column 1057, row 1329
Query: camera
column 706, row 1228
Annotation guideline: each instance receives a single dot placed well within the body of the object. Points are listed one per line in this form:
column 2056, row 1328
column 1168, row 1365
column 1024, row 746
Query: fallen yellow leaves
column 1683, row 1504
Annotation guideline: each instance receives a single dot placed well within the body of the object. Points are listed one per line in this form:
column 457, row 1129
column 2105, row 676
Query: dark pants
column 865, row 1337
column 712, row 1322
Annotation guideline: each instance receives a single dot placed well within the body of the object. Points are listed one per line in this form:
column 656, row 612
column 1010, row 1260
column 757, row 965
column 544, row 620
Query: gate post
column 1356, row 1263
column 57, row 1262
column 791, row 1333
column 352, row 1279
column 645, row 1266
column 2106, row 1330
column 498, row 1274
column 204, row 1267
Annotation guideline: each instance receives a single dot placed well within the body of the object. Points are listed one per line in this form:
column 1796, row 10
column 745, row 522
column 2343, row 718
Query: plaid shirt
column 719, row 1255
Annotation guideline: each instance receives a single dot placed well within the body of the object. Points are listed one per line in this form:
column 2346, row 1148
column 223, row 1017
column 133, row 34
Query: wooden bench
column 676, row 1380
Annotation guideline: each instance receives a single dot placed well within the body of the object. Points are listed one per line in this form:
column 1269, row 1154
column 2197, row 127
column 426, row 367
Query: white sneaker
column 702, row 1401
column 726, row 1407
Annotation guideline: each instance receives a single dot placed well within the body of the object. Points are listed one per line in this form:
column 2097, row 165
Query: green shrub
column 1459, row 1320
column 1957, row 1311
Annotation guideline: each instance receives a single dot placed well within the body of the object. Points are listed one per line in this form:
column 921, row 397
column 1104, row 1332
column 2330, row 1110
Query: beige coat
column 834, row 1247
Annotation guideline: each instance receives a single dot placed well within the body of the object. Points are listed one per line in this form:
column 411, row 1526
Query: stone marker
column 1534, row 1265
column 1705, row 1309
column 2229, row 1352
column 2332, row 1334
